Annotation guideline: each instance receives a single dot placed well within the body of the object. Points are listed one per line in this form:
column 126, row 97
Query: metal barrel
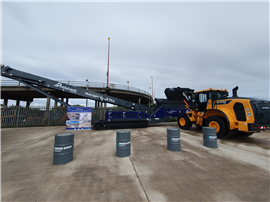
column 123, row 143
column 209, row 137
column 63, row 148
column 173, row 139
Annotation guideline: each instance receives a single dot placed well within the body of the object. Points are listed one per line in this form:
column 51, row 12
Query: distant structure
column 13, row 90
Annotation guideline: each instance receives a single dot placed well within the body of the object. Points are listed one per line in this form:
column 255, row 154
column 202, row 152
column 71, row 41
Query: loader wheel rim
column 182, row 122
column 214, row 124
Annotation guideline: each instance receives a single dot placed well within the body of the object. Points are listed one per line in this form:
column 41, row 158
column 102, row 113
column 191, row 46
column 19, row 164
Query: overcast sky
column 185, row 44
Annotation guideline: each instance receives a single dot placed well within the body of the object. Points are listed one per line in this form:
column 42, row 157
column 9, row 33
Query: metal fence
column 30, row 117
column 12, row 117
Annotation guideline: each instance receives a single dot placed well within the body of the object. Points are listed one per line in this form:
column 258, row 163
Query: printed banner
column 79, row 118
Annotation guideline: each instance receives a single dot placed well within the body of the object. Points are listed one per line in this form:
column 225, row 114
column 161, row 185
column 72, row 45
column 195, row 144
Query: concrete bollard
column 63, row 148
column 209, row 137
column 173, row 139
column 123, row 143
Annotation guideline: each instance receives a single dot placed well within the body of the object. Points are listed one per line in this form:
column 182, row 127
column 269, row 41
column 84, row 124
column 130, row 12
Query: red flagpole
column 108, row 62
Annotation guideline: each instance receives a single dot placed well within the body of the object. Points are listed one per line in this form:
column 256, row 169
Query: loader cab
column 200, row 98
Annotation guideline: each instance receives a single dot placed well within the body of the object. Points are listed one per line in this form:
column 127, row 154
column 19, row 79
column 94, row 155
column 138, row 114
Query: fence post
column 49, row 117
column 18, row 114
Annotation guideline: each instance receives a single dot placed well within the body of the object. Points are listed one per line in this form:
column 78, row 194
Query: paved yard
column 238, row 170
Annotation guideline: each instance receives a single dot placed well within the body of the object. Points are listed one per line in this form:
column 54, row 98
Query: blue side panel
column 119, row 115
column 143, row 115
column 159, row 113
column 114, row 115
column 131, row 115
column 106, row 116
column 184, row 111
column 174, row 112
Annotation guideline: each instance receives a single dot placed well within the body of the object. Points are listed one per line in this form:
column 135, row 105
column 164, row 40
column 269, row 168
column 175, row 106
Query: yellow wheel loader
column 229, row 115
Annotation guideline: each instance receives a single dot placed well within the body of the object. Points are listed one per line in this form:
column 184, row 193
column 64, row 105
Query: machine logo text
column 60, row 85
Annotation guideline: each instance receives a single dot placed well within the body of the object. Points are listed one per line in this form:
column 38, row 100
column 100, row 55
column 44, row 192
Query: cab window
column 202, row 97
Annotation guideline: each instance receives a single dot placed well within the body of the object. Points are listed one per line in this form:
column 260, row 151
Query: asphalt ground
column 238, row 170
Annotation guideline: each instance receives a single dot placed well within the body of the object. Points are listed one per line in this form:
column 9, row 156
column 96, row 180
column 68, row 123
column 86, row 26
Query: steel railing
column 84, row 84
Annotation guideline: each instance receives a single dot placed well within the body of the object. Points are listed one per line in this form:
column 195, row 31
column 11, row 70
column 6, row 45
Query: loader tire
column 220, row 125
column 184, row 122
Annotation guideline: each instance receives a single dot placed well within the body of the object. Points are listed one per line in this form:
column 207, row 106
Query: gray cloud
column 196, row 45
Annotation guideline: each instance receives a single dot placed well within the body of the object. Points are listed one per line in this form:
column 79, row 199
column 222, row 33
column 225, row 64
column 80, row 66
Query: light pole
column 152, row 88
column 108, row 62
column 87, row 83
column 128, row 84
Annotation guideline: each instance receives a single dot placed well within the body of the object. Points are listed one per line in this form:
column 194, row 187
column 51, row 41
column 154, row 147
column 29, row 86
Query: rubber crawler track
column 120, row 125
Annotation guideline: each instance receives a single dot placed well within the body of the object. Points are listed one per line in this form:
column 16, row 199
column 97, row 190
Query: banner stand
column 79, row 118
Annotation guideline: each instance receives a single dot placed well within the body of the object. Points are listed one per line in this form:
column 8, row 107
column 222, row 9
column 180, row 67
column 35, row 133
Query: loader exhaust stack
column 234, row 91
